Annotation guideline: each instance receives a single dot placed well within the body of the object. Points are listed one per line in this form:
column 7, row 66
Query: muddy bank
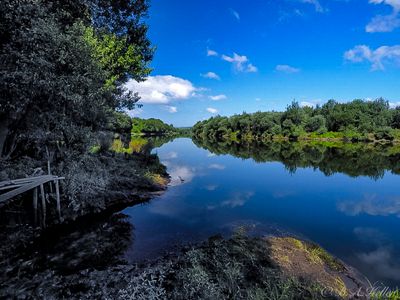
column 241, row 267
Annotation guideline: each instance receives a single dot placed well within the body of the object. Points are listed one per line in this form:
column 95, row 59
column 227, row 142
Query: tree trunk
column 3, row 134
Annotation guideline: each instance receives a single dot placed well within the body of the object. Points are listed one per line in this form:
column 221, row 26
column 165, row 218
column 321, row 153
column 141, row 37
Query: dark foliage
column 53, row 90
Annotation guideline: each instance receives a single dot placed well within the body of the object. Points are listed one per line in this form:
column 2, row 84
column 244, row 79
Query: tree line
column 152, row 126
column 358, row 120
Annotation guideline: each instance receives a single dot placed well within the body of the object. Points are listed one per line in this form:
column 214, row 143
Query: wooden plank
column 24, row 188
column 10, row 187
column 43, row 204
column 23, row 180
column 35, row 204
column 58, row 198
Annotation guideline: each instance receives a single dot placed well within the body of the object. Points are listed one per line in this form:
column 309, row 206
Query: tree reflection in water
column 330, row 158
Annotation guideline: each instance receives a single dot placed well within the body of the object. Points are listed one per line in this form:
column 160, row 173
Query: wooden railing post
column 43, row 204
column 35, row 204
column 58, row 198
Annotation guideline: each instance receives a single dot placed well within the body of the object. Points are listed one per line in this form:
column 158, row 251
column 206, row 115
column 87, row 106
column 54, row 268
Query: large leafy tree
column 63, row 65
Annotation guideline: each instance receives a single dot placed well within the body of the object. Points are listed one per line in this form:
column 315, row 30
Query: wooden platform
column 12, row 188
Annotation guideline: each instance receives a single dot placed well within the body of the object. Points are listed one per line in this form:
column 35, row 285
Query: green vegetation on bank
column 156, row 127
column 152, row 126
column 355, row 121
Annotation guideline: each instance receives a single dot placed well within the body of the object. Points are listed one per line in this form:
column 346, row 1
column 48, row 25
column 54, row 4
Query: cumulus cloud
column 240, row 63
column 378, row 58
column 162, row 89
column 385, row 23
column 218, row 97
column 211, row 52
column 212, row 110
column 235, row 14
column 287, row 69
column 172, row 109
column 211, row 75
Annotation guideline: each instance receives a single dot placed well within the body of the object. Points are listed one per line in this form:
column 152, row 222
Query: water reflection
column 373, row 205
column 342, row 197
column 330, row 158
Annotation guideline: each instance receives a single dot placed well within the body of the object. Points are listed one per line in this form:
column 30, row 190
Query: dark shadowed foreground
column 237, row 268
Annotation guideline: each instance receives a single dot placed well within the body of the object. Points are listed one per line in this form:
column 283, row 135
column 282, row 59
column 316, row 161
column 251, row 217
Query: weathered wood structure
column 11, row 188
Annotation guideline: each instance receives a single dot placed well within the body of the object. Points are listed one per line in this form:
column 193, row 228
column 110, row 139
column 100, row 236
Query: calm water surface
column 356, row 219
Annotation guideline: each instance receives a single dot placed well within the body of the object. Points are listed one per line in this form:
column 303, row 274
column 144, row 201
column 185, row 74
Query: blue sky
column 225, row 57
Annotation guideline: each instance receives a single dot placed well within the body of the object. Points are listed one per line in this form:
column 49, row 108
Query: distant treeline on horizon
column 358, row 120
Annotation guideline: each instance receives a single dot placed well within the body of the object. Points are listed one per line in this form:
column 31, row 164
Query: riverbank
column 240, row 267
column 96, row 186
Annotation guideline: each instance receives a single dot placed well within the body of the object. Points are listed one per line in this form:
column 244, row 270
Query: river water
column 349, row 203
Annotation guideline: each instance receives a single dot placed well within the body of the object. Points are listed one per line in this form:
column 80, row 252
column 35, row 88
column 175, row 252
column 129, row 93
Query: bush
column 385, row 133
column 315, row 123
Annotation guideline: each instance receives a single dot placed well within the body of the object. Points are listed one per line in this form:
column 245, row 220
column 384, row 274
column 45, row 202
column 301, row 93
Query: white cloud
column 311, row 103
column 251, row 68
column 317, row 5
column 394, row 104
column 218, row 97
column 235, row 14
column 162, row 89
column 211, row 75
column 212, row 110
column 286, row 69
column 172, row 109
column 216, row 167
column 378, row 57
column 240, row 63
column 212, row 53
column 385, row 23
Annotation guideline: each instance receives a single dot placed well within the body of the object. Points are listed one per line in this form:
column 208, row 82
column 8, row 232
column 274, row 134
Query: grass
column 156, row 178
column 136, row 145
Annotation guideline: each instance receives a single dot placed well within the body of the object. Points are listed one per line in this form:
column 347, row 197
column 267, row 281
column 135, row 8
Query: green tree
column 315, row 123
column 53, row 84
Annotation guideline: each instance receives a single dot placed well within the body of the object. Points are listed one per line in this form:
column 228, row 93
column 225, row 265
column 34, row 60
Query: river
column 352, row 211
